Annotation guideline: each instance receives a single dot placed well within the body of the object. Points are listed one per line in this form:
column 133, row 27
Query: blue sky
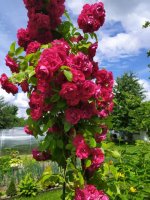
column 123, row 42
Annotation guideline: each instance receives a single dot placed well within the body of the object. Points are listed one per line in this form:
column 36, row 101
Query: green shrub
column 28, row 186
column 126, row 171
column 11, row 190
column 1, row 194
column 49, row 180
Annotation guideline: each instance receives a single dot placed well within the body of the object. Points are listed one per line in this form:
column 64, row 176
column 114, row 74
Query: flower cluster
column 11, row 63
column 7, row 85
column 92, row 17
column 83, row 151
column 99, row 137
column 91, row 193
column 84, row 97
column 46, row 70
column 44, row 17
column 68, row 93
column 27, row 130
column 41, row 155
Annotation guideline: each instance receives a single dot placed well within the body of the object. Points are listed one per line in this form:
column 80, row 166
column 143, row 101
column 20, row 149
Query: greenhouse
column 16, row 138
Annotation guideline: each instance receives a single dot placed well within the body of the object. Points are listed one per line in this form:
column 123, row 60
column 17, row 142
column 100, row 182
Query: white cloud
column 7, row 97
column 146, row 86
column 76, row 5
column 119, row 46
column 20, row 100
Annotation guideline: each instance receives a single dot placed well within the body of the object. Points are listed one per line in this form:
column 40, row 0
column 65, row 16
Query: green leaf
column 115, row 154
column 64, row 67
column 97, row 129
column 61, row 104
column 84, row 45
column 19, row 51
column 28, row 111
column 48, row 125
column 81, row 179
column 86, row 36
column 18, row 77
column 69, row 146
column 23, row 65
column 68, row 75
column 33, row 80
column 10, row 54
column 60, row 144
column 93, row 35
column 30, row 71
column 45, row 46
column 92, row 143
column 67, row 126
column 29, row 57
column 55, row 98
column 31, row 74
column 88, row 163
column 49, row 142
column 67, row 16
column 12, row 47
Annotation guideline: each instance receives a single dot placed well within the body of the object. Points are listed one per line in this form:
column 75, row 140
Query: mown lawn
column 52, row 195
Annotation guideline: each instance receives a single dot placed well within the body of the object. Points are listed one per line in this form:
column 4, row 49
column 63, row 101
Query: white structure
column 142, row 136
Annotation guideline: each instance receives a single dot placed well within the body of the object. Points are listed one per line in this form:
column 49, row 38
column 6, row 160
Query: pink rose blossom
column 87, row 90
column 25, row 86
column 72, row 115
column 92, row 50
column 27, row 130
column 41, row 155
column 7, row 85
column 89, row 192
column 23, row 37
column 97, row 159
column 33, row 47
column 92, row 17
column 11, row 63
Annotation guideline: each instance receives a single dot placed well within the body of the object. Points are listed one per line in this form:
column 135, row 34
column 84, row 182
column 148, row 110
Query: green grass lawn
column 53, row 195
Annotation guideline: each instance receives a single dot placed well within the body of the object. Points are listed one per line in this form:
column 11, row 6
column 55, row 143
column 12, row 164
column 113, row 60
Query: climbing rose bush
column 70, row 97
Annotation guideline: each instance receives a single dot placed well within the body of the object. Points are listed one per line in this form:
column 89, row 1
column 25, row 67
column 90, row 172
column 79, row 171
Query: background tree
column 8, row 114
column 128, row 97
column 21, row 122
column 141, row 117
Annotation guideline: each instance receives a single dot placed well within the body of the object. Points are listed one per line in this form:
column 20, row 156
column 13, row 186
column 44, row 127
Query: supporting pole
column 64, row 184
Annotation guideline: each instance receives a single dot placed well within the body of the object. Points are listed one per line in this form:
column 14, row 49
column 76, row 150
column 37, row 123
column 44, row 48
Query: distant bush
column 11, row 190
column 28, row 186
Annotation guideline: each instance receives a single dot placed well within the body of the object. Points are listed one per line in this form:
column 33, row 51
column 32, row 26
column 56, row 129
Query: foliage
column 146, row 25
column 21, row 122
column 8, row 113
column 44, row 196
column 32, row 167
column 8, row 164
column 128, row 97
column 28, row 186
column 125, row 174
column 11, row 190
column 141, row 117
column 5, row 168
column 19, row 166
column 16, row 161
column 4, row 164
column 48, row 179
